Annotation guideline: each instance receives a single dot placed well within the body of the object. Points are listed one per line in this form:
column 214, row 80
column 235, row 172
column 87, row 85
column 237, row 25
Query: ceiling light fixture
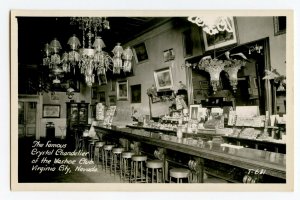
column 90, row 57
column 213, row 25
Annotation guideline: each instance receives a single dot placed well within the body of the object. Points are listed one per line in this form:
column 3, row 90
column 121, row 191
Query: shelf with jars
column 233, row 128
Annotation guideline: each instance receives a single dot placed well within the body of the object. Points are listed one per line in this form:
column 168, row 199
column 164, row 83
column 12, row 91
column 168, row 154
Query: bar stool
column 91, row 147
column 137, row 162
column 98, row 152
column 179, row 174
column 125, row 170
column 117, row 159
column 155, row 165
column 107, row 152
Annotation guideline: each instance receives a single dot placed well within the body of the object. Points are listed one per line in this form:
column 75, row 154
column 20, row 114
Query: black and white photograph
column 122, row 90
column 102, row 97
column 140, row 52
column 112, row 100
column 163, row 79
column 194, row 112
column 224, row 36
column 254, row 152
column 136, row 93
column 169, row 55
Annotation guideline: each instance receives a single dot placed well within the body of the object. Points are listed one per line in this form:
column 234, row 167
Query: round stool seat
column 155, row 164
column 99, row 144
column 138, row 158
column 138, row 161
column 108, row 147
column 117, row 150
column 127, row 154
column 179, row 173
column 98, row 152
column 126, row 168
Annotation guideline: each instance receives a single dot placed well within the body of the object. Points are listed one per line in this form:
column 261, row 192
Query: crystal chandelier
column 232, row 67
column 214, row 68
column 90, row 57
column 213, row 24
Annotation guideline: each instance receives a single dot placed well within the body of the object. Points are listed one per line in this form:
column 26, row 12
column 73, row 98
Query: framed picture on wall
column 51, row 111
column 222, row 38
column 163, row 79
column 122, row 90
column 102, row 97
column 54, row 96
column 279, row 25
column 136, row 93
column 204, row 85
column 194, row 112
column 140, row 52
column 169, row 55
column 155, row 99
column 112, row 100
column 94, row 92
column 102, row 79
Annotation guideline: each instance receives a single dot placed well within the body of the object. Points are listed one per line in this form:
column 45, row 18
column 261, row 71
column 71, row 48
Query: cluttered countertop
column 274, row 163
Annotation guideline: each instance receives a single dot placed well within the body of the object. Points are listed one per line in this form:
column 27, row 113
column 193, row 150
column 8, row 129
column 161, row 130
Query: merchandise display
column 178, row 102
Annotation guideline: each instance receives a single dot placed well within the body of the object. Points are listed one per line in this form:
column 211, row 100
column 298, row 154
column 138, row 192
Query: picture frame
column 140, row 52
column 221, row 39
column 51, row 111
column 136, row 93
column 155, row 99
column 279, row 25
column 194, row 111
column 163, row 79
column 204, row 85
column 94, row 92
column 112, row 100
column 54, row 96
column 122, row 90
column 169, row 55
column 102, row 79
column 102, row 97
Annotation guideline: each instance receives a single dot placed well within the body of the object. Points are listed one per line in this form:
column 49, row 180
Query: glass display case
column 77, row 115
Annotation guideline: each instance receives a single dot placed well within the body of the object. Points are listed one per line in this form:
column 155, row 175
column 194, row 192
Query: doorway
column 27, row 117
column 252, row 89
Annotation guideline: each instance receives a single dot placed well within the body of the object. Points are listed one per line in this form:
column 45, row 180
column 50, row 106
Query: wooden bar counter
column 237, row 163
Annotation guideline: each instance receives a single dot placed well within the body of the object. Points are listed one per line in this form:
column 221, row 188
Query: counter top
column 273, row 163
column 203, row 131
column 211, row 132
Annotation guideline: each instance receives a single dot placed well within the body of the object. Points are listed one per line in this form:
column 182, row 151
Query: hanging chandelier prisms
column 232, row 67
column 214, row 68
column 88, row 56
